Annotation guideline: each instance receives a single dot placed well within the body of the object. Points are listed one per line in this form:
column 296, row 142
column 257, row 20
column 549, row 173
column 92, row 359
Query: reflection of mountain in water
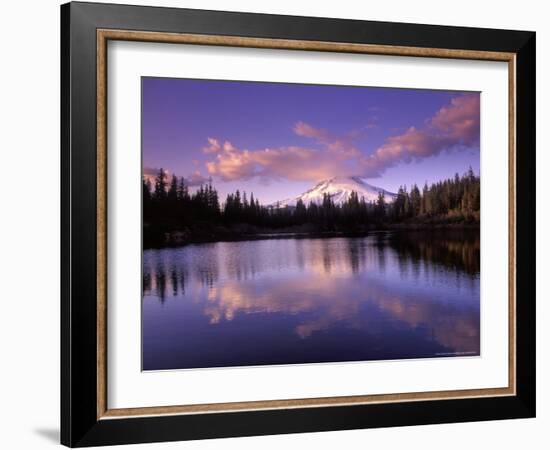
column 384, row 296
column 165, row 271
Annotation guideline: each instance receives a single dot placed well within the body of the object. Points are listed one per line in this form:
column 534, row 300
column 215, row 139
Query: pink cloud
column 454, row 125
column 150, row 174
column 336, row 157
column 292, row 163
column 460, row 120
column 195, row 179
column 306, row 130
column 341, row 145
column 212, row 147
column 150, row 171
column 412, row 145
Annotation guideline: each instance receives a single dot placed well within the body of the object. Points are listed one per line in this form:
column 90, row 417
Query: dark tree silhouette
column 160, row 185
column 172, row 206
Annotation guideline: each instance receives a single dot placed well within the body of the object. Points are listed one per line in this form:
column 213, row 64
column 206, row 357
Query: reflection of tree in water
column 167, row 272
column 456, row 250
column 394, row 290
column 146, row 287
column 300, row 254
column 174, row 281
column 207, row 277
column 327, row 257
column 164, row 276
column 357, row 254
column 160, row 279
column 154, row 278
column 160, row 282
column 241, row 269
column 380, row 242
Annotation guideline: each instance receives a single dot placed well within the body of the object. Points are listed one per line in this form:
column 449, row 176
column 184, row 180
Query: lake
column 383, row 296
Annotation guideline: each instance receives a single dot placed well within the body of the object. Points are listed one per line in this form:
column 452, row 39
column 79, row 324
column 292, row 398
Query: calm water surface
column 282, row 301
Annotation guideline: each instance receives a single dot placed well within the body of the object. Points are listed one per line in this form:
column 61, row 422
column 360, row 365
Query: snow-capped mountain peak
column 339, row 189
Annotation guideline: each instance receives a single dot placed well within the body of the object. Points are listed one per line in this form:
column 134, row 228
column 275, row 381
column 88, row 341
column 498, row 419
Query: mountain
column 339, row 189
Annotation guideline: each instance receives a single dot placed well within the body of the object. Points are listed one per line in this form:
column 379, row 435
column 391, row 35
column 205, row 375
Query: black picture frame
column 80, row 425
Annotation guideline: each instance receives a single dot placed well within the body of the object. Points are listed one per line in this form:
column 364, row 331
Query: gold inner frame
column 103, row 36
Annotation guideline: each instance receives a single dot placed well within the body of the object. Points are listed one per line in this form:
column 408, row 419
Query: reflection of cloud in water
column 410, row 257
column 326, row 302
column 380, row 284
column 292, row 296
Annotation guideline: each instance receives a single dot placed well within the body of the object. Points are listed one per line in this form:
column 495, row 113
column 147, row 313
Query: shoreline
column 185, row 236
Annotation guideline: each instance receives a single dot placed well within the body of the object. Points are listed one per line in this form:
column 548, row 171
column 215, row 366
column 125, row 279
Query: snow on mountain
column 339, row 189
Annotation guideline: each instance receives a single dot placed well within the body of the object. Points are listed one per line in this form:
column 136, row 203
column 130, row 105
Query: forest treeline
column 168, row 204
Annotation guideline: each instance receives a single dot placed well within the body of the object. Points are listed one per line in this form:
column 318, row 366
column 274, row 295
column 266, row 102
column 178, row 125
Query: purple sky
column 277, row 140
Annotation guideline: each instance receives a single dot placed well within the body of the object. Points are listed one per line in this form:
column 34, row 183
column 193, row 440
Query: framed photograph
column 276, row 224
